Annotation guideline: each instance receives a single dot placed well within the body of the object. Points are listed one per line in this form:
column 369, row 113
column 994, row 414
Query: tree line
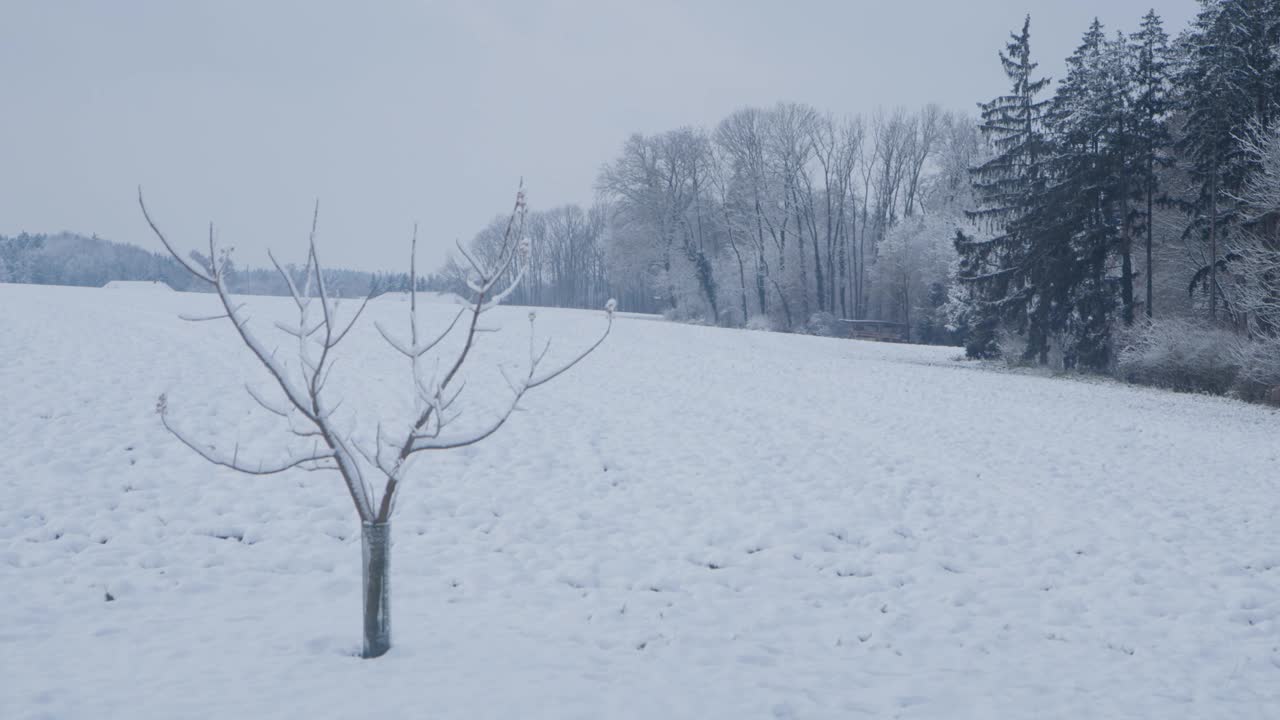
column 1062, row 251
column 71, row 259
column 775, row 216
column 1045, row 230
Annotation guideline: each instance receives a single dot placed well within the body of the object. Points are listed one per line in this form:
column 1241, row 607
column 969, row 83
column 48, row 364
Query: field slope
column 694, row 523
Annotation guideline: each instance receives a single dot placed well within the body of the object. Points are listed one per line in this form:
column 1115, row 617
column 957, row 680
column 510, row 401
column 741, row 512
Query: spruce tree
column 1118, row 93
column 1067, row 218
column 1007, row 185
column 1074, row 225
column 1149, row 48
column 1085, row 218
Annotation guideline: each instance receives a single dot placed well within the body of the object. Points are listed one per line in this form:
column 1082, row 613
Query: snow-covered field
column 694, row 523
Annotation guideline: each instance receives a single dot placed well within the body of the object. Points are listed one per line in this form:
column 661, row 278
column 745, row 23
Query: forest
column 1122, row 218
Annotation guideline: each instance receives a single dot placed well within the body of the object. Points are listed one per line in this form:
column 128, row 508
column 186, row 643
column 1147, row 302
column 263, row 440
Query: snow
column 692, row 523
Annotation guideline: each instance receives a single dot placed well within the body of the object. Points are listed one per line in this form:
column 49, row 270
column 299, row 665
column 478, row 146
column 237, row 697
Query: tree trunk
column 1150, row 218
column 761, row 263
column 375, row 541
column 860, row 303
column 804, row 274
column 1126, row 254
column 762, row 292
column 906, row 305
column 818, row 275
column 707, row 281
column 844, row 274
column 1213, row 246
column 1126, row 282
column 742, row 283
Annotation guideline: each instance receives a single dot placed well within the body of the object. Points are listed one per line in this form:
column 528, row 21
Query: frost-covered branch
column 303, row 402
column 302, row 394
column 315, row 458
column 532, row 379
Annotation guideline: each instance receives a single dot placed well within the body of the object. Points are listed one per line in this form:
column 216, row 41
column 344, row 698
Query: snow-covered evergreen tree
column 1149, row 48
column 1078, row 222
column 1007, row 185
column 1082, row 226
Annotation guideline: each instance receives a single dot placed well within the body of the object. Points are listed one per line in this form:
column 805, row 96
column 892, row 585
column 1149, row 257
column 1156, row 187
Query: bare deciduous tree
column 315, row 438
column 657, row 189
column 1255, row 248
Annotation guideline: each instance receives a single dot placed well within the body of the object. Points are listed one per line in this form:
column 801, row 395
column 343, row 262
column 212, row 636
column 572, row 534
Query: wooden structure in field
column 880, row 330
column 144, row 285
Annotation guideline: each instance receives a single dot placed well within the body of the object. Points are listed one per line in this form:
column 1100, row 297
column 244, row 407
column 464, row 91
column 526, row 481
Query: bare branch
column 298, row 299
column 299, row 332
column 269, row 406
column 532, row 380
column 207, row 318
column 502, row 295
column 476, row 309
column 415, row 350
column 201, row 274
column 233, row 462
column 305, row 407
column 471, row 261
column 307, row 402
column 548, row 377
column 360, row 310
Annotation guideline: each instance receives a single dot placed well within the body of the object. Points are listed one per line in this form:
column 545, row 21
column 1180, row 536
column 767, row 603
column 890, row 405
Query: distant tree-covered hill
column 71, row 259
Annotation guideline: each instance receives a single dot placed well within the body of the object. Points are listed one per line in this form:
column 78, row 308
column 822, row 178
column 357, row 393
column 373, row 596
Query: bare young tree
column 316, row 440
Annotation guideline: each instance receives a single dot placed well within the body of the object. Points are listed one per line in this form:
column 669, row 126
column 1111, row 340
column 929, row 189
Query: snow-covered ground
column 694, row 523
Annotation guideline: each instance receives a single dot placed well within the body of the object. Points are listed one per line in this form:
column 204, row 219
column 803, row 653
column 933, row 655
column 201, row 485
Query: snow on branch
column 532, row 379
column 315, row 459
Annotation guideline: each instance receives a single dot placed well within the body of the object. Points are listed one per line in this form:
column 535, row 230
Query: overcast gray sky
column 242, row 112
